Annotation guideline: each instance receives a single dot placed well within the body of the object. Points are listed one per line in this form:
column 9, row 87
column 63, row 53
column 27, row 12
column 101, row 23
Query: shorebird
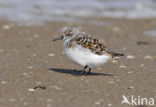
column 85, row 50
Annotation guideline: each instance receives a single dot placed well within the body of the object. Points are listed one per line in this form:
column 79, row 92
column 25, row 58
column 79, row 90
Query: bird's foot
column 82, row 73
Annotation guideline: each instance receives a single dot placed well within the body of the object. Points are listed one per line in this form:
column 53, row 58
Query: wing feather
column 90, row 42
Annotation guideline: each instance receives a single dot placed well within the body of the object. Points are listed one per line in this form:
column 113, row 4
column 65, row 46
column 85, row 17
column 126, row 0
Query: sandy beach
column 29, row 58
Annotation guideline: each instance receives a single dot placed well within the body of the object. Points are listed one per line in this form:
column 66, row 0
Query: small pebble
column 122, row 67
column 97, row 103
column 142, row 65
column 51, row 54
column 3, row 82
column 24, row 74
column 118, row 80
column 131, row 87
column 54, row 87
column 109, row 105
column 130, row 72
column 25, row 103
column 99, row 68
column 49, row 100
column 130, row 57
column 34, row 55
column 31, row 89
column 124, row 49
column 148, row 57
column 114, row 61
column 30, row 67
column 36, row 36
column 117, row 57
column 6, row 27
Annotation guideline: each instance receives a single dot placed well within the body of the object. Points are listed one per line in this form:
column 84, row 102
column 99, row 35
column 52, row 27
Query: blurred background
column 38, row 11
column 29, row 58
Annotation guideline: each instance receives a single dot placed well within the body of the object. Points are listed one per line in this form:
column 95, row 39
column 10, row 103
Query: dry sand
column 29, row 58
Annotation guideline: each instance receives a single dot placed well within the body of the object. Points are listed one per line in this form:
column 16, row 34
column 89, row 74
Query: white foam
column 38, row 11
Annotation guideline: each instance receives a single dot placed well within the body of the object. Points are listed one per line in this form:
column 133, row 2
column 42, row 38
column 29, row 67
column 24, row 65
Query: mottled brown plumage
column 88, row 41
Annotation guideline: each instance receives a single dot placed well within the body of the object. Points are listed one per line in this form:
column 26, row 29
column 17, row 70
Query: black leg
column 83, row 71
column 89, row 71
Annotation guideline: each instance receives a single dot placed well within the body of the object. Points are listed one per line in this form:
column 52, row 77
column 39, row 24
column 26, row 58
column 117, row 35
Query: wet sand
column 29, row 58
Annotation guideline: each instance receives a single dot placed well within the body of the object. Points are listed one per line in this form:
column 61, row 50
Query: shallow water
column 38, row 11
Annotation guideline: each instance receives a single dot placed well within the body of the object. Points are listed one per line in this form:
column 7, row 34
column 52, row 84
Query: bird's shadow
column 76, row 72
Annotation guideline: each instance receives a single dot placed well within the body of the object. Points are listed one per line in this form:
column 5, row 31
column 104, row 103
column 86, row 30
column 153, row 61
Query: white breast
column 84, row 56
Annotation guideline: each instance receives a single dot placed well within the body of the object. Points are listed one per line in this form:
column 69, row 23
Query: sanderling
column 85, row 50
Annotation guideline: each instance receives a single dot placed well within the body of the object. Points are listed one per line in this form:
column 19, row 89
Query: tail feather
column 117, row 54
column 112, row 54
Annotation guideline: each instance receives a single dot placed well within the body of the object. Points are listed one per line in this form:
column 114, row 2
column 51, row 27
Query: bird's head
column 67, row 34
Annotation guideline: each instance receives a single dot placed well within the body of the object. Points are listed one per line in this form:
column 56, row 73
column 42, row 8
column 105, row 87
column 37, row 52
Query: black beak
column 58, row 38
